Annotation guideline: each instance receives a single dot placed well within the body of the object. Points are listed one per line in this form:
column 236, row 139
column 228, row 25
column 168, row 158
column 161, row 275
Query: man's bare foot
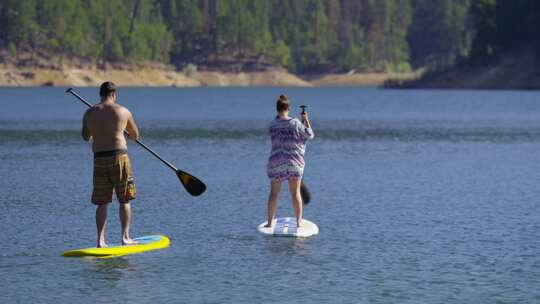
column 129, row 241
column 268, row 225
column 102, row 245
column 299, row 224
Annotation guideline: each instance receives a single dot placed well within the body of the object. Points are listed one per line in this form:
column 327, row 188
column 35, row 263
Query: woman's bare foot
column 129, row 241
column 102, row 245
column 299, row 224
column 268, row 225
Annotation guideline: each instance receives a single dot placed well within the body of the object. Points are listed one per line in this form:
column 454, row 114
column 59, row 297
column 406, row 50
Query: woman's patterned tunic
column 289, row 137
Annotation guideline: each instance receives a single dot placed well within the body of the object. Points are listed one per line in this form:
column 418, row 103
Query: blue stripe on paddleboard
column 285, row 226
column 148, row 239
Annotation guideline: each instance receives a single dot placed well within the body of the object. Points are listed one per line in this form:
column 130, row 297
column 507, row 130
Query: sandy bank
column 158, row 77
column 356, row 79
column 11, row 76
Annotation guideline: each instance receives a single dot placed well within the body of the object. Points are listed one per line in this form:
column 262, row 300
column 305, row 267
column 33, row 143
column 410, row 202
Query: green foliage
column 486, row 29
column 440, row 32
column 503, row 26
column 12, row 49
column 352, row 56
column 402, row 67
column 313, row 45
column 107, row 30
column 301, row 35
column 281, row 54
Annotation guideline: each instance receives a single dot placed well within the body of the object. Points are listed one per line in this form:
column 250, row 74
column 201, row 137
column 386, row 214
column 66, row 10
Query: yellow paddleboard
column 146, row 243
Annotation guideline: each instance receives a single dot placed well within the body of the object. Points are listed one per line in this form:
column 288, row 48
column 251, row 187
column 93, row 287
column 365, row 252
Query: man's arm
column 132, row 127
column 85, row 131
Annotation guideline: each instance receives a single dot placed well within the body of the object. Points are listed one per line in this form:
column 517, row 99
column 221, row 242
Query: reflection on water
column 111, row 270
column 289, row 246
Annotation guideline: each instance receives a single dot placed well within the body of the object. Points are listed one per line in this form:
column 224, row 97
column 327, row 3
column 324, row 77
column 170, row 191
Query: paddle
column 192, row 184
column 304, row 191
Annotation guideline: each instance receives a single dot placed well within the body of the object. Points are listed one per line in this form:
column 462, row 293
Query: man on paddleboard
column 105, row 123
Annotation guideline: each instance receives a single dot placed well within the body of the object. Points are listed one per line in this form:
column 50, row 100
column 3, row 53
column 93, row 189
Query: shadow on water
column 110, row 270
column 285, row 246
column 400, row 131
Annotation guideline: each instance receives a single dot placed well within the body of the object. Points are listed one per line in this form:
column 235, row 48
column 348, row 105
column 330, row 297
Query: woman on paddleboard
column 286, row 162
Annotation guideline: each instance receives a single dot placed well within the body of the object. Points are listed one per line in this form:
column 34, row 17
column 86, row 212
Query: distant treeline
column 300, row 35
column 503, row 26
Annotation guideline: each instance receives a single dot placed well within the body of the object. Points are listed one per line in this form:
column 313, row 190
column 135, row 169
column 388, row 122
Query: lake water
column 420, row 197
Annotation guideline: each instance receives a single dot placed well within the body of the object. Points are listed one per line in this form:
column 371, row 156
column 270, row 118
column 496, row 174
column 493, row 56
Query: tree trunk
column 134, row 14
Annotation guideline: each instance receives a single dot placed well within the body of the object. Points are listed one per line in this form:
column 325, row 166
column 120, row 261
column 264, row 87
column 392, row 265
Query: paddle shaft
column 304, row 190
column 136, row 140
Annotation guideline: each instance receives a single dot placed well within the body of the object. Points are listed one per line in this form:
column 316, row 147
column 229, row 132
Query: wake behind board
column 146, row 243
column 286, row 226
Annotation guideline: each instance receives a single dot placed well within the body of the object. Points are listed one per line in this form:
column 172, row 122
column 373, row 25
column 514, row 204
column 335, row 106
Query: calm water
column 420, row 197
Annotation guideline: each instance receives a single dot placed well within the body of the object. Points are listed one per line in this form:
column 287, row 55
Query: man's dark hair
column 107, row 89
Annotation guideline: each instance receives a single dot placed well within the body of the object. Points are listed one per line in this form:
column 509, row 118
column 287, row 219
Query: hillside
column 465, row 43
column 511, row 71
column 301, row 36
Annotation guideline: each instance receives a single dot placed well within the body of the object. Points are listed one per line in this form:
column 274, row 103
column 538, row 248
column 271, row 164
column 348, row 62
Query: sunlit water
column 420, row 197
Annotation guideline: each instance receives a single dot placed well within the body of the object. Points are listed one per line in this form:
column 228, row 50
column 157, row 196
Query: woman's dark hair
column 283, row 103
column 107, row 89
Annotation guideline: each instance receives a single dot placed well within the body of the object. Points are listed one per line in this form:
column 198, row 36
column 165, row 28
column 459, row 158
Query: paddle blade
column 304, row 192
column 192, row 184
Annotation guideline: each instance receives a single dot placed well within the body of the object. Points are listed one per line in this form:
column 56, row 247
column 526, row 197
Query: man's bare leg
column 275, row 188
column 125, row 219
column 294, row 187
column 101, row 220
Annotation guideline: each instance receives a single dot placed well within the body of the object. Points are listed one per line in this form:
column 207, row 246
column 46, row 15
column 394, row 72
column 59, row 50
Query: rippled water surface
column 420, row 197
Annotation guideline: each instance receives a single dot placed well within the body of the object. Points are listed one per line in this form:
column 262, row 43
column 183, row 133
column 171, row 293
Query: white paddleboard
column 286, row 226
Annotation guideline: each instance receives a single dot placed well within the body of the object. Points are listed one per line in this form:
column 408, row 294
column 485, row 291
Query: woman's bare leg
column 294, row 187
column 275, row 188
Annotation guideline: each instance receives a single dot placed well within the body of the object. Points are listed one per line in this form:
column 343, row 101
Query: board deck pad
column 286, row 226
column 146, row 243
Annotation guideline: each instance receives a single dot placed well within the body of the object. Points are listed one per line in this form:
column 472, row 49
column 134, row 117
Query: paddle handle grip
column 79, row 97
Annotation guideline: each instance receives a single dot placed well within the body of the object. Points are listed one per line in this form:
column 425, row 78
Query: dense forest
column 304, row 36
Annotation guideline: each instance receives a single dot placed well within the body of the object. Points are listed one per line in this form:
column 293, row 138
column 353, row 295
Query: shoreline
column 13, row 76
column 512, row 71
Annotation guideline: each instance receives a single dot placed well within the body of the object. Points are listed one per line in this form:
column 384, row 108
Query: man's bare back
column 105, row 123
